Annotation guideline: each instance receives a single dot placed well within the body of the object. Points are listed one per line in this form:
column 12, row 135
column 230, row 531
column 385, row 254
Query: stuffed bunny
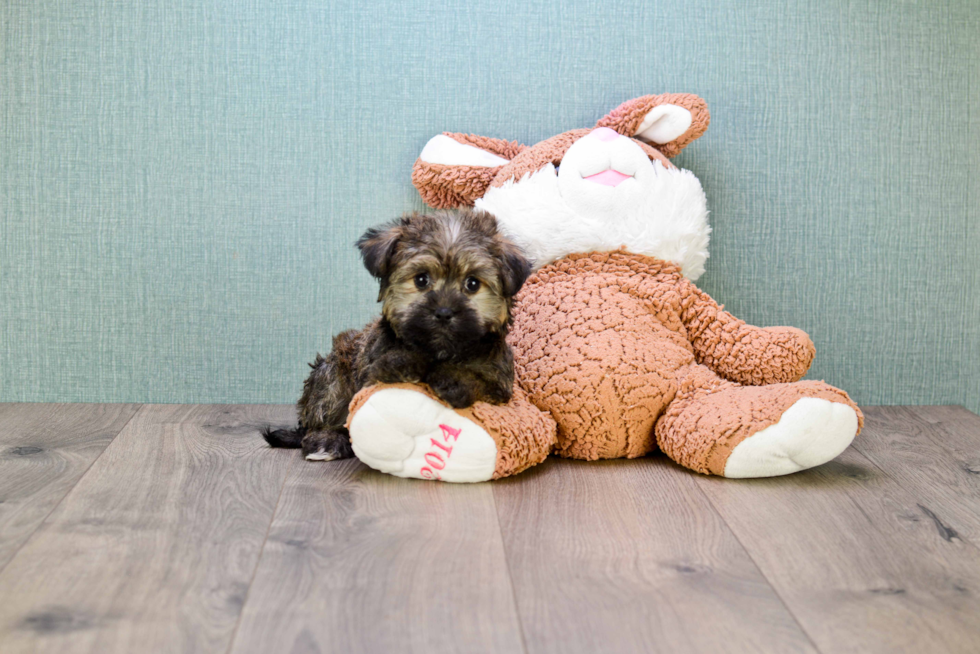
column 617, row 353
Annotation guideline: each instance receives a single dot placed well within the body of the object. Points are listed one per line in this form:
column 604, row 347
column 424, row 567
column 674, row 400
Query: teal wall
column 181, row 181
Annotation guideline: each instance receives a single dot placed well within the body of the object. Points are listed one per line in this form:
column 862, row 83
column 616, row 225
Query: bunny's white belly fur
column 661, row 214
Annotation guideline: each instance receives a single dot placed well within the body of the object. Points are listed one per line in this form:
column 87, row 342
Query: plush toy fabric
column 617, row 352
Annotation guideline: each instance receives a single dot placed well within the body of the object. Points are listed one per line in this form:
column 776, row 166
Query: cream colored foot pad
column 811, row 432
column 408, row 434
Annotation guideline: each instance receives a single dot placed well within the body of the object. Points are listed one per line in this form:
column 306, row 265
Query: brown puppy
column 447, row 282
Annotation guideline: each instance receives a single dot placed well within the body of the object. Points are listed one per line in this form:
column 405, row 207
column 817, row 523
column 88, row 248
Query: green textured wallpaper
column 181, row 182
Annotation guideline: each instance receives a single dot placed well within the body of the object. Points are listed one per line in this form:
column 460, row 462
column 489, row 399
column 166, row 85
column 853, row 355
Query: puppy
column 447, row 283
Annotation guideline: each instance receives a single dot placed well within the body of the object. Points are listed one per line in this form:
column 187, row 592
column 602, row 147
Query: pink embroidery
column 448, row 450
column 434, row 458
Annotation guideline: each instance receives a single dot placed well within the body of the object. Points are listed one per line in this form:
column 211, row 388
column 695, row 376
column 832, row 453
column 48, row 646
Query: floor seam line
column 258, row 561
column 510, row 575
column 68, row 492
column 756, row 565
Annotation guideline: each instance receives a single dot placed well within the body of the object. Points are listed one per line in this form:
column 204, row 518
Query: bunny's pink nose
column 604, row 134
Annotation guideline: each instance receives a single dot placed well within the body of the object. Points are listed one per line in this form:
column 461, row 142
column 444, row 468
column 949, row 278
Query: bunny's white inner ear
column 665, row 123
column 447, row 151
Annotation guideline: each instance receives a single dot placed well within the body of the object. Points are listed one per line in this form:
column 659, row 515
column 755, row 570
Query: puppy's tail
column 284, row 437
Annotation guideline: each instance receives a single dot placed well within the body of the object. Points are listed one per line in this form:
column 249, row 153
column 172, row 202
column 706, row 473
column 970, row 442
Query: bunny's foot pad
column 406, row 433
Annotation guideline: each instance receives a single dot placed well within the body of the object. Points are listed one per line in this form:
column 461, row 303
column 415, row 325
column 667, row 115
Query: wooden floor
column 127, row 528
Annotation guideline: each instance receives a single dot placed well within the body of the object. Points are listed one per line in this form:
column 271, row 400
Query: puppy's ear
column 377, row 247
column 514, row 266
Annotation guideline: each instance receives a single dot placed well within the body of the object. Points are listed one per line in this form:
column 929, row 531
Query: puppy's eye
column 422, row 281
column 472, row 284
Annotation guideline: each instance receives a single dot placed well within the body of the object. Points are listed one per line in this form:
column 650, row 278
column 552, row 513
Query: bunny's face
column 585, row 190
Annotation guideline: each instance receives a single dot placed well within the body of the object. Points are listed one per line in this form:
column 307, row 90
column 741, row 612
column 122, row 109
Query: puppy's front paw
column 453, row 392
column 498, row 394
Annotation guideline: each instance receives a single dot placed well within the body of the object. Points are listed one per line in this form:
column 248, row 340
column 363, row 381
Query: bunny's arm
column 738, row 351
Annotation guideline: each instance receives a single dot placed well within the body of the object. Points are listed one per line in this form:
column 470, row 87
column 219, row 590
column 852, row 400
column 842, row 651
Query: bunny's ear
column 455, row 169
column 668, row 122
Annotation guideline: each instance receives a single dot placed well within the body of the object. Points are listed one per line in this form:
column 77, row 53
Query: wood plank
column 44, row 451
column 154, row 548
column 956, row 429
column 629, row 556
column 934, row 453
column 357, row 561
column 863, row 564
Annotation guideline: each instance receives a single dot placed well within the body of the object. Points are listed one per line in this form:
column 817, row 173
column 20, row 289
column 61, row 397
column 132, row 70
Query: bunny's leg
column 404, row 430
column 718, row 427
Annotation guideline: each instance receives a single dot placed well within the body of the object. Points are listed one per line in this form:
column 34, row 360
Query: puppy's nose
column 444, row 313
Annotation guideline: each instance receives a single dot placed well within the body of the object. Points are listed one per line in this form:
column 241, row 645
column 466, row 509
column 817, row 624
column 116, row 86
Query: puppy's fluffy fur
column 447, row 282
